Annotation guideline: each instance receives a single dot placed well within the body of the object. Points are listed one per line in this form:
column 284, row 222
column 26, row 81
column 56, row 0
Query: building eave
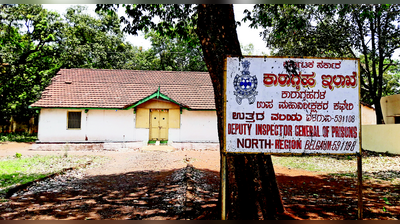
column 155, row 95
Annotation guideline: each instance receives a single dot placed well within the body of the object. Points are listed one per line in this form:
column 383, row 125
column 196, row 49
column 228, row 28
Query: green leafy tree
column 28, row 47
column 141, row 59
column 35, row 43
column 391, row 81
column 252, row 191
column 343, row 30
column 90, row 42
column 177, row 54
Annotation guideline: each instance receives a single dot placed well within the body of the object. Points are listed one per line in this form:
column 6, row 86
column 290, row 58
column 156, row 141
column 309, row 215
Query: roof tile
column 106, row 88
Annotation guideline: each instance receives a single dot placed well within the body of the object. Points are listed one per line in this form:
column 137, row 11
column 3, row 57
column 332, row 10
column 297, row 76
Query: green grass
column 18, row 137
column 18, row 178
column 15, row 171
column 317, row 163
column 154, row 142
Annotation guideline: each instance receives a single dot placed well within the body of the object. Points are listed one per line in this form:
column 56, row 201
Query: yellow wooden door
column 154, row 120
column 158, row 124
column 163, row 125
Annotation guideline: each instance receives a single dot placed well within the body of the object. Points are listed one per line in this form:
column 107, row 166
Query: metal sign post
column 223, row 187
column 289, row 106
column 360, row 186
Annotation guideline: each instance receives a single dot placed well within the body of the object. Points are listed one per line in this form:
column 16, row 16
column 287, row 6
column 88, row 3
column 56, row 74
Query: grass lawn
column 20, row 169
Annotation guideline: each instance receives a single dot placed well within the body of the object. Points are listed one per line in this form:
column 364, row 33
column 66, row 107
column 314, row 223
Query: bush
column 18, row 137
column 18, row 155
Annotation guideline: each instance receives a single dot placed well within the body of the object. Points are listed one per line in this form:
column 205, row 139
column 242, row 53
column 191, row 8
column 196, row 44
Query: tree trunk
column 252, row 191
column 378, row 111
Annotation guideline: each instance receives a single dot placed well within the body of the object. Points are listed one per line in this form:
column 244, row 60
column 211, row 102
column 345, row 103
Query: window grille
column 74, row 120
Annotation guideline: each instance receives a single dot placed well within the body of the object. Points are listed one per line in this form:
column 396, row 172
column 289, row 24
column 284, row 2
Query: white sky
column 246, row 35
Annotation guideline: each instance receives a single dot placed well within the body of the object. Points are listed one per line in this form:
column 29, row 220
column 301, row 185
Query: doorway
column 158, row 124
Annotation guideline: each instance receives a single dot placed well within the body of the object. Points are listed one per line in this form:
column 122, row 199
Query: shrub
column 18, row 137
column 18, row 155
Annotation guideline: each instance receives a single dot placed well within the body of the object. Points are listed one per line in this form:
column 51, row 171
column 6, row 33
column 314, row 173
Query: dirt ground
column 157, row 184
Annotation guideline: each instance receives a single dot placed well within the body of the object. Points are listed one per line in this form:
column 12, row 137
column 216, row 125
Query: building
column 111, row 109
column 383, row 137
column 391, row 109
column 368, row 115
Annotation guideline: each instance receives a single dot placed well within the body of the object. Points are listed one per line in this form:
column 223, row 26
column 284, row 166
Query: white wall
column 96, row 125
column 52, row 126
column 196, row 126
column 119, row 125
column 110, row 125
column 381, row 138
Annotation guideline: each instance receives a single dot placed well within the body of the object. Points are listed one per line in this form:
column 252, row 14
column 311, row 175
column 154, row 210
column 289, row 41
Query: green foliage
column 177, row 54
column 18, row 137
column 175, row 20
column 386, row 201
column 35, row 43
column 142, row 60
column 90, row 42
column 18, row 155
column 175, row 44
column 391, row 81
column 28, row 47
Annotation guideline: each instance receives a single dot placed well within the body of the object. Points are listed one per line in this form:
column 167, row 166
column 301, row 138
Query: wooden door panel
column 164, row 125
column 154, row 125
column 158, row 124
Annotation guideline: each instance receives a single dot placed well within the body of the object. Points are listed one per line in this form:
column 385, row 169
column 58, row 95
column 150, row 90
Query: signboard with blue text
column 292, row 105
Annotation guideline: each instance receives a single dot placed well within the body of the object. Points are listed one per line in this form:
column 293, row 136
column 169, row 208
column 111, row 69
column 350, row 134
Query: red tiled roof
column 105, row 88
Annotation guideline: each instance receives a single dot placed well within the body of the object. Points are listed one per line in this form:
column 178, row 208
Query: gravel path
column 154, row 159
column 154, row 183
column 160, row 184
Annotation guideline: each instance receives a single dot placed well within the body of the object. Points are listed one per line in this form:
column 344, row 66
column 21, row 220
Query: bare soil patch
column 165, row 184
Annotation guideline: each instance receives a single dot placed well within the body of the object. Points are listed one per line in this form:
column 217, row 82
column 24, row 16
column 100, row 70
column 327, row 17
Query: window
column 74, row 120
column 397, row 120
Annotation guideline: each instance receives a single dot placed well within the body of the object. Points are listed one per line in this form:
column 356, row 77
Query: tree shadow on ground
column 327, row 197
column 190, row 193
column 140, row 195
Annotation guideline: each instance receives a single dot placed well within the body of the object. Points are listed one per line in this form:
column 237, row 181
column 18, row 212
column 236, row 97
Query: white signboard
column 313, row 110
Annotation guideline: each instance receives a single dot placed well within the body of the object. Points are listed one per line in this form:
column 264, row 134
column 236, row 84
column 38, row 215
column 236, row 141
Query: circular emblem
column 245, row 85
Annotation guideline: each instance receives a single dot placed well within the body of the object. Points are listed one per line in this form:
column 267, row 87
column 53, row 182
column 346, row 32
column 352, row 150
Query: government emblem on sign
column 245, row 85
